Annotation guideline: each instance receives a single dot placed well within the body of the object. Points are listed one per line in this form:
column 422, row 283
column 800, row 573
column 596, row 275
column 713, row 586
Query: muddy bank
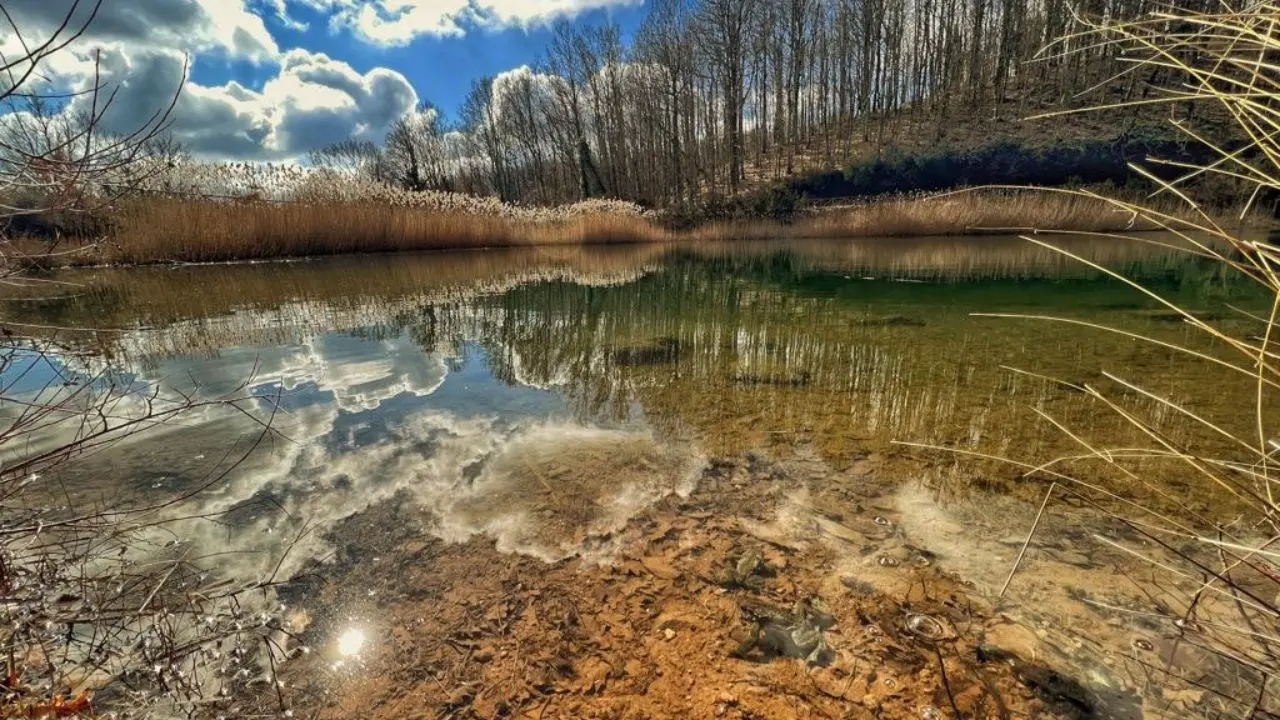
column 709, row 608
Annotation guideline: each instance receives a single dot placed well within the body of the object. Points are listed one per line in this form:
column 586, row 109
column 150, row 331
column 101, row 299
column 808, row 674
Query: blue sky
column 273, row 79
column 442, row 69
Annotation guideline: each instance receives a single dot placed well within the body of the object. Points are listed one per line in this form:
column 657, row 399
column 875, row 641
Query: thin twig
column 946, row 683
column 1053, row 485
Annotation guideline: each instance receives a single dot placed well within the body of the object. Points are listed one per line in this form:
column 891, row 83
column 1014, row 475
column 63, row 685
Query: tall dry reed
column 1211, row 575
column 159, row 229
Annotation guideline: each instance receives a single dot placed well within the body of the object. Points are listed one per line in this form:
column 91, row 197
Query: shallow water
column 542, row 398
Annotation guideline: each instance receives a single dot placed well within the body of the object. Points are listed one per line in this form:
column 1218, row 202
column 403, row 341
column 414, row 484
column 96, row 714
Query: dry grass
column 178, row 230
column 1212, row 585
column 205, row 231
column 200, row 212
column 978, row 212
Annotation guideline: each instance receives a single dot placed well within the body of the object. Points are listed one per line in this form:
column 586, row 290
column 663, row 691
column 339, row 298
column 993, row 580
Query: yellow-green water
column 847, row 346
column 425, row 372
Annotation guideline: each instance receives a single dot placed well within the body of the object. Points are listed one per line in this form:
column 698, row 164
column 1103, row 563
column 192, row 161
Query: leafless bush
column 102, row 597
column 99, row 609
column 56, row 164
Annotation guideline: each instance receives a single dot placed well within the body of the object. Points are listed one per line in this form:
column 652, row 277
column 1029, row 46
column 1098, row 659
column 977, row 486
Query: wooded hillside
column 713, row 96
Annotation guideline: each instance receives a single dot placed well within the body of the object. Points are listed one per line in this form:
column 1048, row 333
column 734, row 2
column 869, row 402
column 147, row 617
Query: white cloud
column 399, row 22
column 142, row 47
column 313, row 100
column 532, row 12
column 279, row 9
column 310, row 101
column 226, row 26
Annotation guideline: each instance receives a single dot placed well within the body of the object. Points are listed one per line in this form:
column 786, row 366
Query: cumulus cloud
column 143, row 49
column 399, row 22
column 186, row 25
column 313, row 100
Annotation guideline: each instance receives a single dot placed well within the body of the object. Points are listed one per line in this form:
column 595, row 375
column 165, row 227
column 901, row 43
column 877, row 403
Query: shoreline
column 161, row 263
column 902, row 634
column 183, row 233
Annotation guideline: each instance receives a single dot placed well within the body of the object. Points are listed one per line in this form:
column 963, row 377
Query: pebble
column 669, row 634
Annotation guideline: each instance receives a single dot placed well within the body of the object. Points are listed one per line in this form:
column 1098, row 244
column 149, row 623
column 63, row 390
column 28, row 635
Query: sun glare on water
column 350, row 643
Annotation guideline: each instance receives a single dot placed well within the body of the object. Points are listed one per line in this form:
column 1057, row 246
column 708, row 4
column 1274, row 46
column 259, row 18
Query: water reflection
column 730, row 348
column 543, row 399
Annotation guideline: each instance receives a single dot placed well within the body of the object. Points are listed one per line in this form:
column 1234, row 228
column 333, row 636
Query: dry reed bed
column 177, row 230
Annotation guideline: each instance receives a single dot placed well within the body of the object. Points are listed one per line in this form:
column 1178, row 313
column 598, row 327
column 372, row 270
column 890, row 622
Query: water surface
column 541, row 398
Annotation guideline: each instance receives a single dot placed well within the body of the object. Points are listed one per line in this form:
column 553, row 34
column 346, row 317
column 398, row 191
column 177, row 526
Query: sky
column 274, row 79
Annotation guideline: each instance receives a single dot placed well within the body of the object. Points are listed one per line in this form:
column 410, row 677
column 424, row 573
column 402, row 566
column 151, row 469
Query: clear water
column 447, row 376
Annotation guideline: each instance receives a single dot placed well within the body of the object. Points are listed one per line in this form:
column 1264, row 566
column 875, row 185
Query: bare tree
column 713, row 95
column 56, row 161
column 721, row 30
column 355, row 157
column 566, row 60
column 664, row 43
column 480, row 118
column 416, row 157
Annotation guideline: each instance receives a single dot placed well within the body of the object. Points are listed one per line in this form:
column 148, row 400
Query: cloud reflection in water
column 367, row 420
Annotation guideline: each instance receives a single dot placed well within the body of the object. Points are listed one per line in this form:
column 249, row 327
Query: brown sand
column 463, row 631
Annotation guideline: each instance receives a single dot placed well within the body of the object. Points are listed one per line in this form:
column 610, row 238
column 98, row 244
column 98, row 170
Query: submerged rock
column 797, row 634
column 657, row 352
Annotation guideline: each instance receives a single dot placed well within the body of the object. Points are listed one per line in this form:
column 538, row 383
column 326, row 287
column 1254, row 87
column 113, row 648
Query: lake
column 554, row 482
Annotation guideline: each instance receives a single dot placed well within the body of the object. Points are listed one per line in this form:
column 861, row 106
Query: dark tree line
column 713, row 95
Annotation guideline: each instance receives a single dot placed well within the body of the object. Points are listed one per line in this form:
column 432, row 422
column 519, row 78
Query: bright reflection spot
column 350, row 642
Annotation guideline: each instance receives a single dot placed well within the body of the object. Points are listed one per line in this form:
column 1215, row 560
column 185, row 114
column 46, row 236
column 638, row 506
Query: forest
column 711, row 97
